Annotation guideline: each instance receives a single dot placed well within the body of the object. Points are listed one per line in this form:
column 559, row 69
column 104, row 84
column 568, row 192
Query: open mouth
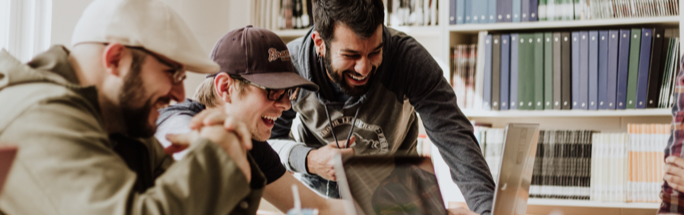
column 357, row 80
column 269, row 120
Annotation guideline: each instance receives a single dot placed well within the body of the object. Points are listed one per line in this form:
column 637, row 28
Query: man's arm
column 419, row 77
column 671, row 198
column 292, row 153
column 65, row 166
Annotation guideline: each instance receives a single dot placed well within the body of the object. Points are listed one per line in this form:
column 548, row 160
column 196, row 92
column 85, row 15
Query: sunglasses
column 177, row 76
column 273, row 94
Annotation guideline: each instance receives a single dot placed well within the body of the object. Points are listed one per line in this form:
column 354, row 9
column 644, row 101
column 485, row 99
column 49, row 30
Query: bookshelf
column 439, row 39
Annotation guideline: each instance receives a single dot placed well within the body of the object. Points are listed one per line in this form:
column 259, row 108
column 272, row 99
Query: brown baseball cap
column 260, row 56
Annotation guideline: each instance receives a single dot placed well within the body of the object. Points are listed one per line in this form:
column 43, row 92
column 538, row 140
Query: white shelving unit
column 566, row 113
column 591, row 204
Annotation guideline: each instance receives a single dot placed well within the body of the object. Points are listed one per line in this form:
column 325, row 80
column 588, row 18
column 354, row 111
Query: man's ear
column 222, row 83
column 320, row 44
column 112, row 58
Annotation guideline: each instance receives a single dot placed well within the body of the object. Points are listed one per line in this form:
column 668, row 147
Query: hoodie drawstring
column 351, row 130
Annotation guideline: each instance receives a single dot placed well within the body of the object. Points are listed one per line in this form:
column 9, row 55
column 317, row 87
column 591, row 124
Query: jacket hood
column 307, row 64
column 50, row 66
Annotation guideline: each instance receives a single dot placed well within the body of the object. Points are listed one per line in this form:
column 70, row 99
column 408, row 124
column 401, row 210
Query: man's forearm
column 292, row 154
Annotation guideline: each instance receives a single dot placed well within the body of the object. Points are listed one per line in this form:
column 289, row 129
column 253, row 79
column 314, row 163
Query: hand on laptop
column 674, row 172
column 460, row 211
column 319, row 161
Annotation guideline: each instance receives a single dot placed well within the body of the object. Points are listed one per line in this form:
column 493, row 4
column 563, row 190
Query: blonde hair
column 206, row 92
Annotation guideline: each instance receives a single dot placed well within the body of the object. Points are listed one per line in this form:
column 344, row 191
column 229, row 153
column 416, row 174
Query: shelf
column 291, row 33
column 471, row 28
column 410, row 30
column 593, row 204
column 567, row 113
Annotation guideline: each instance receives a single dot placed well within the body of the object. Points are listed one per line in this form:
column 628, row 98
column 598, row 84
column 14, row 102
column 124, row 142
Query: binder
column 504, row 11
column 656, row 71
column 644, row 60
column 526, row 71
column 452, row 12
column 468, row 11
column 492, row 9
column 593, row 69
column 623, row 69
column 505, row 71
column 634, row 51
column 615, row 43
column 460, row 11
column 518, row 9
column 538, row 101
column 533, row 11
column 575, row 44
column 487, row 79
column 496, row 71
column 584, row 71
column 566, row 81
column 603, row 61
column 557, row 71
column 513, row 98
column 548, row 70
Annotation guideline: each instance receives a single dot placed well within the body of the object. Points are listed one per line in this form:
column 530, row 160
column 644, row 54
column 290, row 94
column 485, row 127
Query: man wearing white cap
column 83, row 121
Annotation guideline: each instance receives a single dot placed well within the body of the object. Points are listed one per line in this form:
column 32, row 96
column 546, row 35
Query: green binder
column 526, row 70
column 548, row 70
column 538, row 71
column 635, row 44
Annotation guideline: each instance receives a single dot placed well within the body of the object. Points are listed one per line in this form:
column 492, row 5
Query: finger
column 675, row 160
column 245, row 137
column 179, row 139
column 673, row 180
column 673, row 169
column 172, row 149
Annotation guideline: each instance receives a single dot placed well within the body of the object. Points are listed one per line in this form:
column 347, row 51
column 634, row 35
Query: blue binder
column 583, row 71
column 518, row 8
column 492, row 11
column 505, row 71
column 623, row 69
column 593, row 69
column 603, row 69
column 614, row 44
column 460, row 11
column 644, row 65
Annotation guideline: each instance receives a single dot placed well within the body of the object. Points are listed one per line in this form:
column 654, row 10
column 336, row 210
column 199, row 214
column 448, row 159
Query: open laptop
column 7, row 154
column 407, row 184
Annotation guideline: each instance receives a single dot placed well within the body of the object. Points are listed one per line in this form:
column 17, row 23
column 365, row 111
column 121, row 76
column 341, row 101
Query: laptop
column 383, row 184
column 7, row 154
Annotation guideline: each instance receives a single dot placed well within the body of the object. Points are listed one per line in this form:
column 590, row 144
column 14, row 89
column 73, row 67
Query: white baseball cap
column 148, row 24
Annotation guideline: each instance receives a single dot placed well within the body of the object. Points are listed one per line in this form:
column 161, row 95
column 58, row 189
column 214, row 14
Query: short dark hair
column 361, row 16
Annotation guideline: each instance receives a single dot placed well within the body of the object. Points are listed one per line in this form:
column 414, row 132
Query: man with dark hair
column 373, row 80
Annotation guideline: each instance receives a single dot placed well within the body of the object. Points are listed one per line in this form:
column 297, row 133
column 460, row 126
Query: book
column 593, row 69
column 542, row 10
column 479, row 74
column 632, row 77
column 644, row 60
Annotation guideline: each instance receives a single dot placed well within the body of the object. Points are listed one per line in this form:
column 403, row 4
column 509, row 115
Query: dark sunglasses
column 273, row 94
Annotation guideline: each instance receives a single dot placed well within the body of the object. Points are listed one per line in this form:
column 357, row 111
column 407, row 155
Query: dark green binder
column 538, row 71
column 634, row 50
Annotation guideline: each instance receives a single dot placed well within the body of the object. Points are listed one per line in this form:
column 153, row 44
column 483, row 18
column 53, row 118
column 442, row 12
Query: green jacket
column 66, row 165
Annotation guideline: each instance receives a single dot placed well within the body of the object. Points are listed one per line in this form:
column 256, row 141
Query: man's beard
column 338, row 78
column 135, row 118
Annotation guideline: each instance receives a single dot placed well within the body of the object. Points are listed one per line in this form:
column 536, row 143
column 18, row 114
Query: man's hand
column 674, row 172
column 460, row 211
column 217, row 116
column 217, row 134
column 319, row 161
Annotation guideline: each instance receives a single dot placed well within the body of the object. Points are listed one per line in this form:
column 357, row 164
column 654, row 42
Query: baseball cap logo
column 274, row 54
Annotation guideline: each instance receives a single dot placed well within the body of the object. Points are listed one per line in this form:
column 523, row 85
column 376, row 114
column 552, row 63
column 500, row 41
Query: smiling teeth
column 270, row 117
column 358, row 78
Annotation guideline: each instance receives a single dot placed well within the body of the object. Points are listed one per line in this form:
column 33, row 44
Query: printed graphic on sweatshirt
column 370, row 137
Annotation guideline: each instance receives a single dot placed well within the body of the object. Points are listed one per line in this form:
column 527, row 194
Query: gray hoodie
column 408, row 81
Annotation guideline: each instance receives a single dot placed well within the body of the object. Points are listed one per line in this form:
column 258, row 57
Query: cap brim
column 280, row 80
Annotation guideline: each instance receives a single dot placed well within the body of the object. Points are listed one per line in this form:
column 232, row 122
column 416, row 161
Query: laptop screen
column 391, row 185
